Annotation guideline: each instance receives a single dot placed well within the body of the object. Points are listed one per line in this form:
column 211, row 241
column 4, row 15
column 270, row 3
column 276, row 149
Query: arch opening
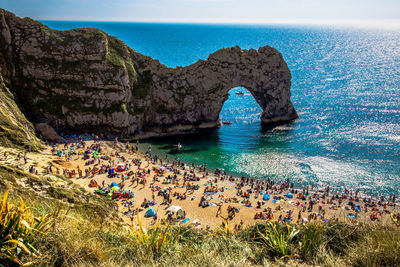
column 240, row 108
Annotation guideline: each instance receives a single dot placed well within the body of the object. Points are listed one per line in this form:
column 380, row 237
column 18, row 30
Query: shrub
column 278, row 238
column 19, row 229
column 310, row 240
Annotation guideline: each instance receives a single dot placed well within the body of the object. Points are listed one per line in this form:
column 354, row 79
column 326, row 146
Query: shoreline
column 334, row 189
column 233, row 199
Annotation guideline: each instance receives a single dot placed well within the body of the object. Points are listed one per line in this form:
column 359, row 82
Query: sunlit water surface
column 345, row 88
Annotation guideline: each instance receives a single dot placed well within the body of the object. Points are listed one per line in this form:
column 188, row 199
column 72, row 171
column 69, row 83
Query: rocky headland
column 84, row 80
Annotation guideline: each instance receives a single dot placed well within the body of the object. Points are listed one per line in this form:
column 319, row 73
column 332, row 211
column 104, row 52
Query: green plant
column 278, row 238
column 224, row 231
column 154, row 240
column 19, row 229
column 123, row 108
column 310, row 240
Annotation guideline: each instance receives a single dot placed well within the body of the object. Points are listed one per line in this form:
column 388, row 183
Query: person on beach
column 219, row 210
column 175, row 183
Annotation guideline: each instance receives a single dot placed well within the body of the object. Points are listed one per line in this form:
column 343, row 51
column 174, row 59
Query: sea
column 345, row 89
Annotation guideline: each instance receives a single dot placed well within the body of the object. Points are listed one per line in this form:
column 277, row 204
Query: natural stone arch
column 201, row 89
column 85, row 80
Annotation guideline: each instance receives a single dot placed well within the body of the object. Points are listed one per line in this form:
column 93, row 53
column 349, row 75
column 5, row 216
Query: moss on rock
column 15, row 129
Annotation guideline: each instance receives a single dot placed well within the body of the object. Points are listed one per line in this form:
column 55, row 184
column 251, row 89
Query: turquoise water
column 345, row 88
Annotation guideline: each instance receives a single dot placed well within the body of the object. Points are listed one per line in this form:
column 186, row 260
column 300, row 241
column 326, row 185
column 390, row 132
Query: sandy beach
column 145, row 176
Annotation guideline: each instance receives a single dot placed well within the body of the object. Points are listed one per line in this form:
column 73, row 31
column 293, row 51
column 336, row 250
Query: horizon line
column 315, row 22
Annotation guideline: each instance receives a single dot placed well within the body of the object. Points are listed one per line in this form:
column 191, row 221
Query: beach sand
column 207, row 216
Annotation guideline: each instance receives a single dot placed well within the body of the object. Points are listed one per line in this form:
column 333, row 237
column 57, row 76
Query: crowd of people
column 119, row 171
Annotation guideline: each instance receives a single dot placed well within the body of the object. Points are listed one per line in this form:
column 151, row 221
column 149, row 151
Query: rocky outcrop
column 85, row 80
column 15, row 129
column 47, row 132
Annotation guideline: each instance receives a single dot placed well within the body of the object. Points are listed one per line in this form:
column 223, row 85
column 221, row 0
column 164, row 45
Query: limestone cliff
column 85, row 80
column 15, row 129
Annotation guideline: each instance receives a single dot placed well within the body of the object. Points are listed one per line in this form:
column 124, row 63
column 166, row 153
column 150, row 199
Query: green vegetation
column 15, row 130
column 278, row 238
column 88, row 31
column 85, row 231
column 142, row 88
column 118, row 55
column 377, row 247
column 20, row 229
column 123, row 108
column 116, row 50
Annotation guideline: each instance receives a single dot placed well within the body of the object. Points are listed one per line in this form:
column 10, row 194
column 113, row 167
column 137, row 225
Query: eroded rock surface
column 85, row 80
column 47, row 132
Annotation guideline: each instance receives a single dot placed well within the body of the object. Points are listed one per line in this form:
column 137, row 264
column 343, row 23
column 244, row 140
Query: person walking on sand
column 219, row 210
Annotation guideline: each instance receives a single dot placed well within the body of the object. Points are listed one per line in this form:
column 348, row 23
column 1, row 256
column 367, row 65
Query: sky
column 385, row 12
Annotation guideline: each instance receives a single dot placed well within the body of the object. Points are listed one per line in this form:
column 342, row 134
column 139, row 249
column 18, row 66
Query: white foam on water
column 283, row 128
column 317, row 169
column 395, row 138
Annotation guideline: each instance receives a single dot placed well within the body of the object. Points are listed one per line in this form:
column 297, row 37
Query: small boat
column 239, row 93
column 227, row 122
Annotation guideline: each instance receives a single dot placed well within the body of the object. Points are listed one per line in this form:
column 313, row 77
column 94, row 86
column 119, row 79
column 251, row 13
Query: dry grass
column 377, row 247
column 90, row 234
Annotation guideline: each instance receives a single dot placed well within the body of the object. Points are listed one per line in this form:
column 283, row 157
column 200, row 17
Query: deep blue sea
column 345, row 88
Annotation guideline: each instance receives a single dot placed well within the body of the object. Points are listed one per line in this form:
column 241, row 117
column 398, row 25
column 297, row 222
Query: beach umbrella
column 174, row 208
column 113, row 184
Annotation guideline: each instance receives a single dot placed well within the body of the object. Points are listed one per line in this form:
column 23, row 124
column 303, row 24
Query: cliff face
column 85, row 80
column 15, row 129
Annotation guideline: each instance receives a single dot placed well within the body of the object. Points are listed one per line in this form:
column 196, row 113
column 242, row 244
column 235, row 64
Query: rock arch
column 85, row 80
column 200, row 90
